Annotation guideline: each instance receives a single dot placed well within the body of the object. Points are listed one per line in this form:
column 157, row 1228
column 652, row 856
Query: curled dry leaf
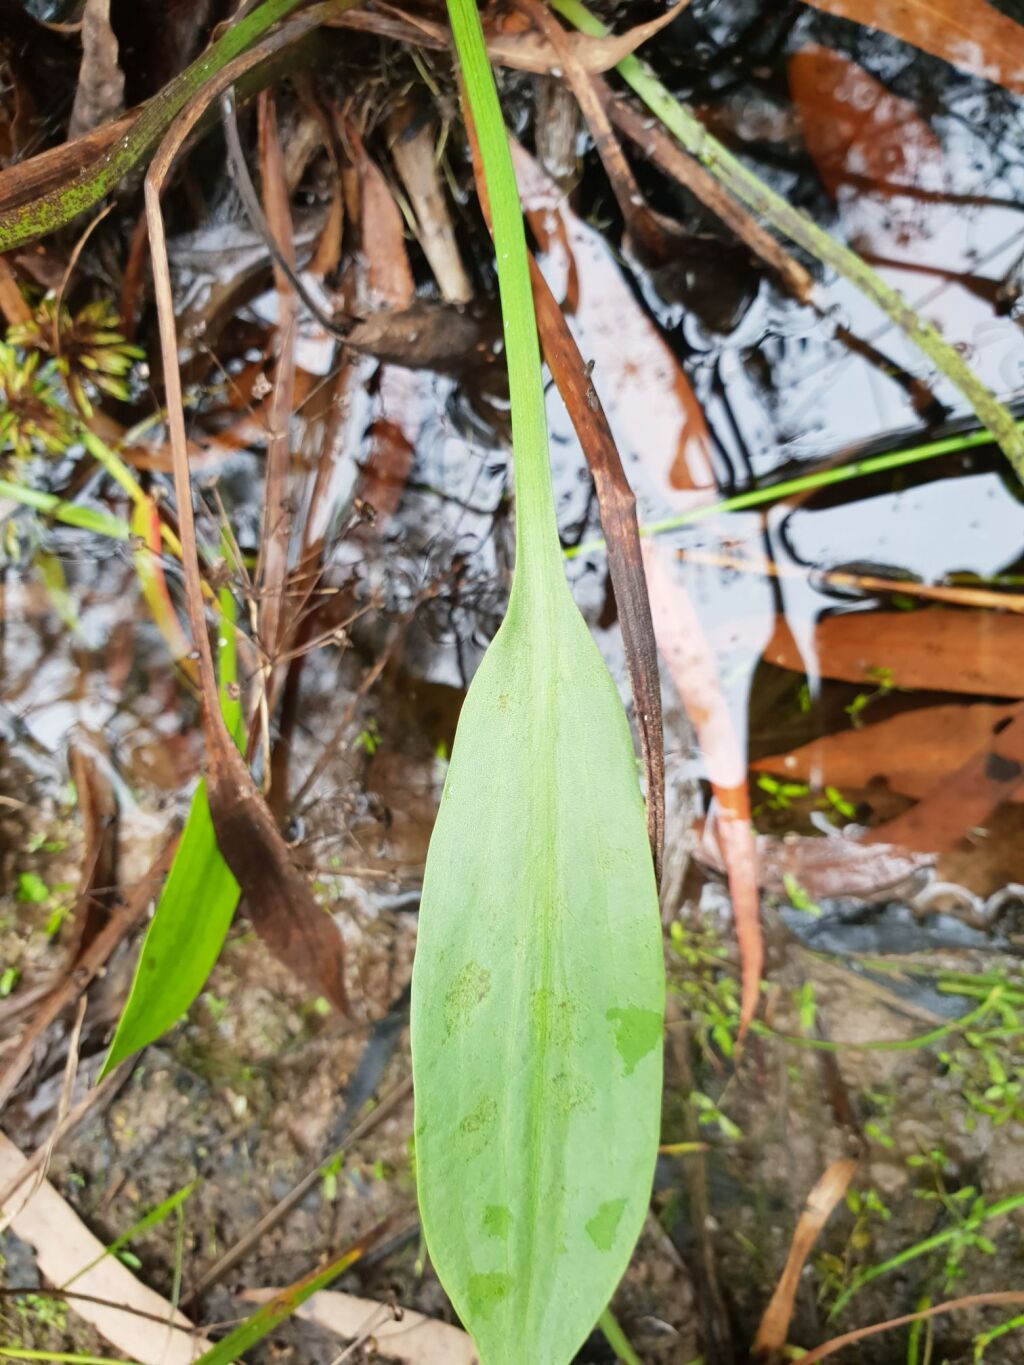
column 828, row 1190
column 937, row 649
column 969, row 34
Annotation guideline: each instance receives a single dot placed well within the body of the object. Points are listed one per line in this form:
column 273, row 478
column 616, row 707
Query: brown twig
column 272, row 566
column 664, row 152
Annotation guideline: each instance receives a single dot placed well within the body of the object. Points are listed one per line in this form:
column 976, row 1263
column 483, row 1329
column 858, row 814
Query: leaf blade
column 548, row 1027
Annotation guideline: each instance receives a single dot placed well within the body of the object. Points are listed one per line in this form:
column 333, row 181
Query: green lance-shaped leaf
column 194, row 912
column 538, row 987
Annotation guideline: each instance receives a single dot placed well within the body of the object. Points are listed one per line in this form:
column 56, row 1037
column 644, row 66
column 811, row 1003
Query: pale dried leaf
column 63, row 1245
column 398, row 1335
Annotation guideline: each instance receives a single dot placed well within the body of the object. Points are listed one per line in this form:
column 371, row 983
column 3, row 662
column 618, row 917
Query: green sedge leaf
column 538, row 986
column 198, row 901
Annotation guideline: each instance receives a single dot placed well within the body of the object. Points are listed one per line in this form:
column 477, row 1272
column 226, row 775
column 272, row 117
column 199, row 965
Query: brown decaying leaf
column 398, row 1333
column 100, row 93
column 911, row 751
column 964, row 798
column 133, row 1318
column 388, row 283
column 828, row 1190
column 692, row 668
column 969, row 34
column 858, row 133
column 529, row 51
column 277, row 896
column 937, row 649
column 617, row 507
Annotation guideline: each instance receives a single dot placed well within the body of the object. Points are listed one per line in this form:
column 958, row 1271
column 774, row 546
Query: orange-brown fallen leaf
column 828, row 1190
column 911, row 751
column 861, row 137
column 963, row 799
column 938, row 649
column 969, row 34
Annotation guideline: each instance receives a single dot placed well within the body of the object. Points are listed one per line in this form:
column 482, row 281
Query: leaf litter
column 833, row 671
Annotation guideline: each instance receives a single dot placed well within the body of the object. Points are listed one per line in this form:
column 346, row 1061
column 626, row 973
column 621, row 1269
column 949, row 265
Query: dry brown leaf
column 527, row 51
column 828, row 1190
column 277, row 894
column 100, row 94
column 963, row 799
column 969, row 34
column 860, row 135
column 911, row 751
column 938, row 649
column 134, row 1319
column 389, row 282
column 398, row 1334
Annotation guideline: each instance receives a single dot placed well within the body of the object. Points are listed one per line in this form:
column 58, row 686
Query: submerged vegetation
column 467, row 390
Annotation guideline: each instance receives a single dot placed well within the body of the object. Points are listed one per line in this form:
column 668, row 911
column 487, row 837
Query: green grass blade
column 538, row 986
column 148, row 1220
column 84, row 518
column 194, row 912
column 282, row 1306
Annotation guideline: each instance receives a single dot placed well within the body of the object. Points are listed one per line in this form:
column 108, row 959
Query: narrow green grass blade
column 538, row 986
column 148, row 1220
column 265, row 1319
column 194, row 912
